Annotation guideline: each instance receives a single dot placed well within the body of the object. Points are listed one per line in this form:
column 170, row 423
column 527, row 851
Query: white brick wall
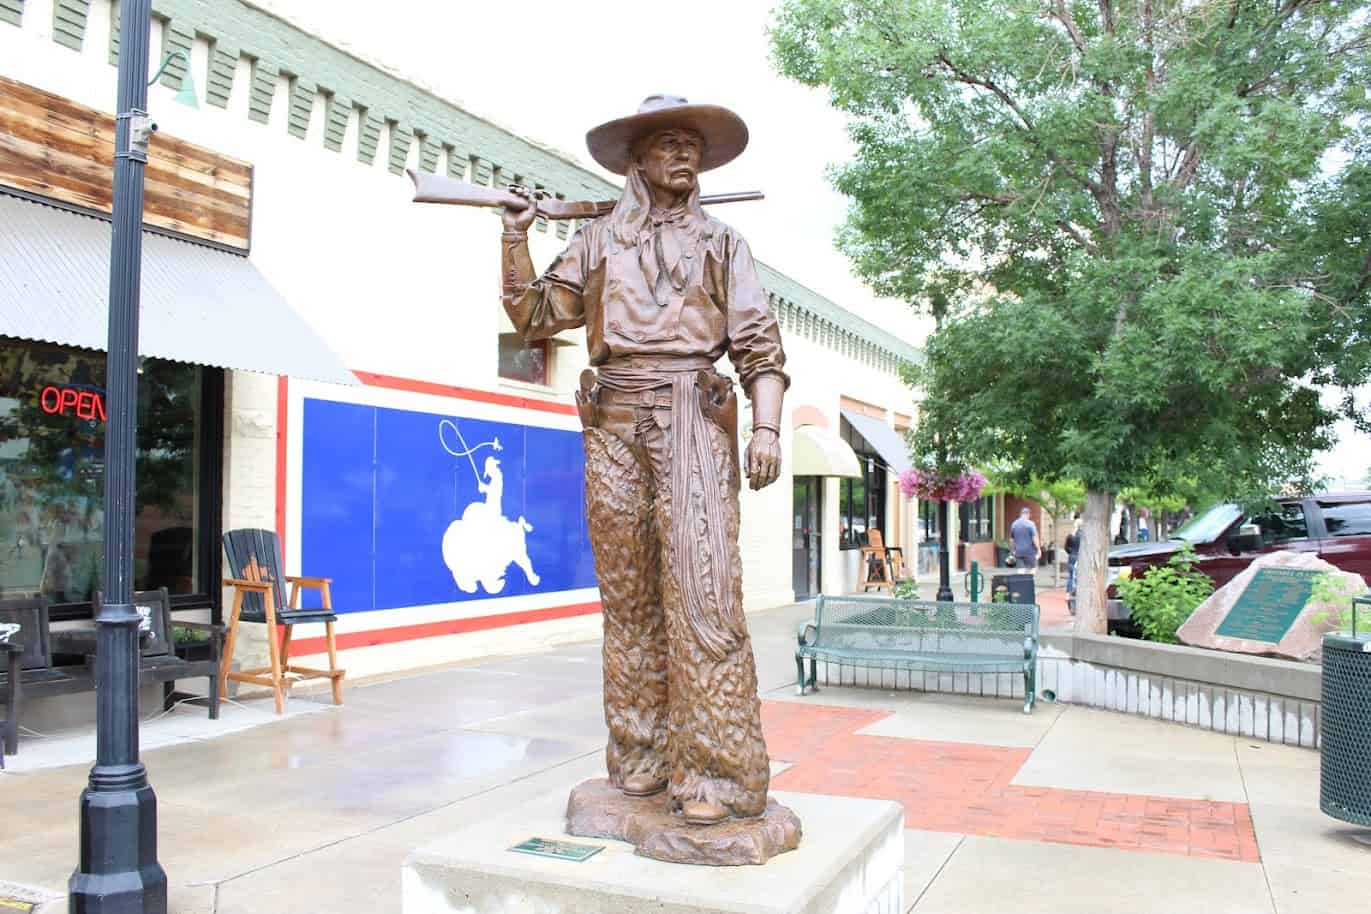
column 249, row 484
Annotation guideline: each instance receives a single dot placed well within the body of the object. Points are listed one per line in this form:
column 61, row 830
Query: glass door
column 806, row 537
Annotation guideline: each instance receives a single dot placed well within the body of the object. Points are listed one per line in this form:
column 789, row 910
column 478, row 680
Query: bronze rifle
column 431, row 188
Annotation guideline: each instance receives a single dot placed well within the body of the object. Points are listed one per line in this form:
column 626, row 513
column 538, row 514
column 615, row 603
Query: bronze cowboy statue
column 664, row 291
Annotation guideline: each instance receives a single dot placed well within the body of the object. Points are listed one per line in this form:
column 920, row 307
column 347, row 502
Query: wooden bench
column 158, row 661
column 881, row 632
column 30, row 672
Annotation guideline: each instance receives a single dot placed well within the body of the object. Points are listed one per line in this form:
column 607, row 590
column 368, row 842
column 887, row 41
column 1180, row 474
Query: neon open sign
column 63, row 401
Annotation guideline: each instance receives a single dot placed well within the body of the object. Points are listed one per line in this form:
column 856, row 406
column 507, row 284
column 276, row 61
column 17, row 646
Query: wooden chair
column 876, row 561
column 258, row 596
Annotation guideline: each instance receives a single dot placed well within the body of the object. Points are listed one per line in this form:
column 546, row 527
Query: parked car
column 1335, row 526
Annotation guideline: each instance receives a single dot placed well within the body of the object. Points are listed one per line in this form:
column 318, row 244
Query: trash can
column 1345, row 723
column 1019, row 587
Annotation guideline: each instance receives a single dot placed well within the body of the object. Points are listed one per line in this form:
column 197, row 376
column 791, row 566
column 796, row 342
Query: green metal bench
column 890, row 633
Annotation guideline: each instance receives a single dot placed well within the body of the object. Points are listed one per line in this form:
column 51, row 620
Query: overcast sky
column 551, row 69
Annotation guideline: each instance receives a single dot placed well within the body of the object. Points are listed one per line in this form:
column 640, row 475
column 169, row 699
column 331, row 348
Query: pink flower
column 927, row 485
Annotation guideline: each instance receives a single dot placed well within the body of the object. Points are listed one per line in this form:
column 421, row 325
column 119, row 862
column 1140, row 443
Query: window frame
column 210, row 496
column 1281, row 508
column 1326, row 507
column 928, row 519
column 984, row 515
column 875, row 481
column 543, row 346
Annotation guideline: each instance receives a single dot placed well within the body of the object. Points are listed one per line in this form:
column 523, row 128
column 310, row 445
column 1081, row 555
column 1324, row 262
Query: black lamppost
column 944, row 561
column 118, row 872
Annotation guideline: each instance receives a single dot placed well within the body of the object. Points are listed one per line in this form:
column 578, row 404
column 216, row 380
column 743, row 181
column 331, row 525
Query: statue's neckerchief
column 661, row 236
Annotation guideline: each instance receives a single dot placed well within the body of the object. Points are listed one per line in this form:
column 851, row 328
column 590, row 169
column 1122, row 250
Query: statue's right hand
column 518, row 220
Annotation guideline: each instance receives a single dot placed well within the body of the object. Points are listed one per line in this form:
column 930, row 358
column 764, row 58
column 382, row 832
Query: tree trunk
column 1092, row 564
column 1132, row 523
column 1056, row 559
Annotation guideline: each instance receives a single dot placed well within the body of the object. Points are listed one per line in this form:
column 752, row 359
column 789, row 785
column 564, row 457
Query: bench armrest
column 805, row 630
column 1030, row 647
column 305, row 580
column 256, row 586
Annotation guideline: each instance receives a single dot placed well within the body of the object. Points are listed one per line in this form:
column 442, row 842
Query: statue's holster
column 587, row 399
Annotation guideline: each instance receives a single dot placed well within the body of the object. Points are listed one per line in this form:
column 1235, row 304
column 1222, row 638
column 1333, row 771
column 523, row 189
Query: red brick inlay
column 965, row 788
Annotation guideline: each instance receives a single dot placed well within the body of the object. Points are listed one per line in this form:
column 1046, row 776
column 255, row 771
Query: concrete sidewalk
column 1065, row 810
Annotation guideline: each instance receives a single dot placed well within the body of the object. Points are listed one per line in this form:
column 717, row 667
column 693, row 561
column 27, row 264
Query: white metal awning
column 886, row 441
column 816, row 451
column 198, row 304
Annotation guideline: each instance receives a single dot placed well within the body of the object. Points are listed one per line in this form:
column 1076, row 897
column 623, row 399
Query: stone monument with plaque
column 1267, row 610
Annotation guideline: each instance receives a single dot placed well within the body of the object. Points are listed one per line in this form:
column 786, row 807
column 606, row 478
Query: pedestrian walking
column 1024, row 533
column 1073, row 549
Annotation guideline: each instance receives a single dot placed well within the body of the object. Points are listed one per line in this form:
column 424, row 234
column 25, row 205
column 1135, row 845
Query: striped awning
column 198, row 304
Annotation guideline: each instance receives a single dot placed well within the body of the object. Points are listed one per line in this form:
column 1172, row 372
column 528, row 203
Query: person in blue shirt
column 1024, row 534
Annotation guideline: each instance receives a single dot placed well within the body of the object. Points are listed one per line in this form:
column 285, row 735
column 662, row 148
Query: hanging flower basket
column 927, row 485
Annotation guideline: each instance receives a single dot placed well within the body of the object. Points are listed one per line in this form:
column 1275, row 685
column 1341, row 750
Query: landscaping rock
column 1303, row 638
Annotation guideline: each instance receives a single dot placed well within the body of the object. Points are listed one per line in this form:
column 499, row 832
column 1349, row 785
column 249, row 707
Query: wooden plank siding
column 54, row 147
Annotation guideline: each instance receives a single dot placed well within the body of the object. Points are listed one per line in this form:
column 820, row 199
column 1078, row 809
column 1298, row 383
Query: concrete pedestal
column 850, row 861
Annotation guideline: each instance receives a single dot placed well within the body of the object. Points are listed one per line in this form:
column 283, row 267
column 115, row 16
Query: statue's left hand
column 763, row 458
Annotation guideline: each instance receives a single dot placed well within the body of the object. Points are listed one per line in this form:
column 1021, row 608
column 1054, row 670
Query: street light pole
column 118, row 871
column 944, row 571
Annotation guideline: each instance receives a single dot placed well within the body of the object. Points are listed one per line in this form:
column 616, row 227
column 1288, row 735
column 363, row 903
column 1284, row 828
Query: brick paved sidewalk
column 967, row 788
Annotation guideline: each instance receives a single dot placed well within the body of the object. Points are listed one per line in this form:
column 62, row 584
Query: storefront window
column 52, row 438
column 928, row 519
column 978, row 520
column 861, row 501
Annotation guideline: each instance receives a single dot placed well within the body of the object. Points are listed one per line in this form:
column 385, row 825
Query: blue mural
column 405, row 508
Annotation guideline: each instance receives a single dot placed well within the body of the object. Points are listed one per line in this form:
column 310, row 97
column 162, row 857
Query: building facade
column 349, row 379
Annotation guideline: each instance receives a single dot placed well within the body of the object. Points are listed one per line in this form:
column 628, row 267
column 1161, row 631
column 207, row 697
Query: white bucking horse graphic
column 479, row 547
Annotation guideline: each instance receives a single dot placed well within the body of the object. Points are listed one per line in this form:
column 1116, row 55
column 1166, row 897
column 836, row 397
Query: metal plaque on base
column 559, row 850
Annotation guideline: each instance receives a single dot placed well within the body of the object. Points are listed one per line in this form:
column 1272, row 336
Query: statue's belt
column 646, row 381
column 708, row 594
column 659, row 398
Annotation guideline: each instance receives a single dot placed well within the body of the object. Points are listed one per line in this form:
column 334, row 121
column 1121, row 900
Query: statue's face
column 670, row 159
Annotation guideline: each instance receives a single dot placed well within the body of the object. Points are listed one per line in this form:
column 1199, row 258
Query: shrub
column 1337, row 591
column 1161, row 600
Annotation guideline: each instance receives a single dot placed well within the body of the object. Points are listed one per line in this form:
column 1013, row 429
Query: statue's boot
column 643, row 785
column 703, row 812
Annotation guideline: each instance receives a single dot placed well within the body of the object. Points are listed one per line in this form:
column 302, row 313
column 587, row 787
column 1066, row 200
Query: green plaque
column 560, row 850
column 1270, row 604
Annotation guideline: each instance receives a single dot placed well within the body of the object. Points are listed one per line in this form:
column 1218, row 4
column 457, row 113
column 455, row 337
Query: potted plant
column 1345, row 712
column 190, row 643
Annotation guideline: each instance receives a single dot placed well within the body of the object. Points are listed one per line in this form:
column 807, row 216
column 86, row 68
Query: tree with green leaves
column 1143, row 222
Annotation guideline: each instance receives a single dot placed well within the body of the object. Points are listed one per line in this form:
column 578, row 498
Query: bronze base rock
column 597, row 810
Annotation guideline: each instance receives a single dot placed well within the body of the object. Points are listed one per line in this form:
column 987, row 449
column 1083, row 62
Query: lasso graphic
column 466, row 450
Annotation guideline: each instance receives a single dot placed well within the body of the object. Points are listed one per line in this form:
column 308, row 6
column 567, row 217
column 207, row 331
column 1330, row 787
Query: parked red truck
column 1334, row 526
